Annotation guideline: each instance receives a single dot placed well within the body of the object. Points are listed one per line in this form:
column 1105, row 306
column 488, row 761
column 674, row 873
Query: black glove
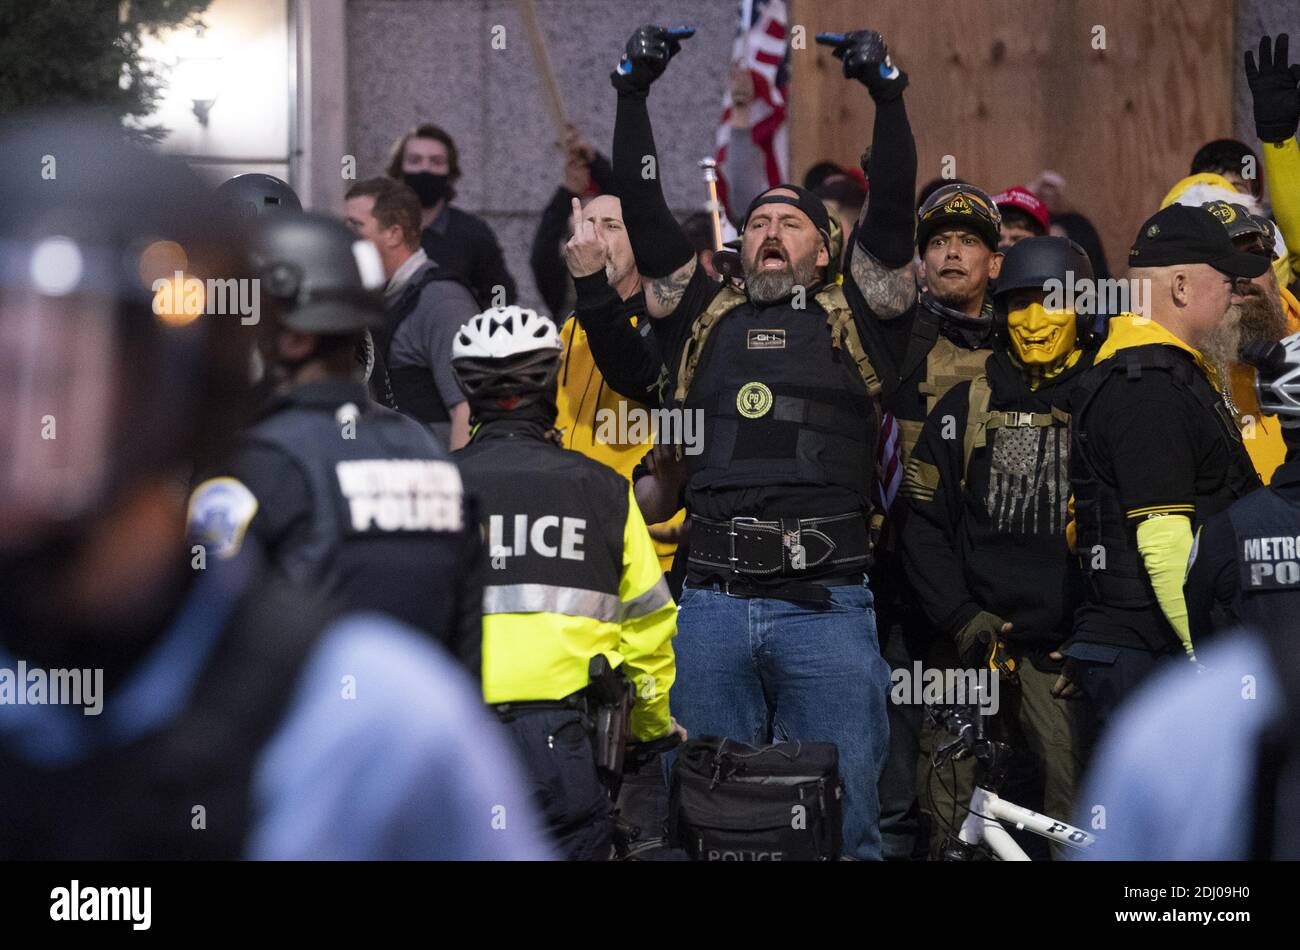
column 866, row 59
column 975, row 640
column 1273, row 87
column 646, row 57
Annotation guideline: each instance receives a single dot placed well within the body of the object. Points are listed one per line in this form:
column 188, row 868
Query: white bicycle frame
column 988, row 810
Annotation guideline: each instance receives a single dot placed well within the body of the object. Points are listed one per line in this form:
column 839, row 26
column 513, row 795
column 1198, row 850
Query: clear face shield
column 59, row 394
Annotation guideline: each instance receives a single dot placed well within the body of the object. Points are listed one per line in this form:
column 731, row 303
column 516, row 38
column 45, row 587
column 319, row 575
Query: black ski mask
column 428, row 187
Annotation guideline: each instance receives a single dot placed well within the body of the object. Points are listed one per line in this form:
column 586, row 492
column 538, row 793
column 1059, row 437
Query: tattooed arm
column 664, row 294
column 888, row 291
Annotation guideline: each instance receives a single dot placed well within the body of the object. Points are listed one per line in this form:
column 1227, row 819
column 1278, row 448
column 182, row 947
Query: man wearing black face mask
column 462, row 244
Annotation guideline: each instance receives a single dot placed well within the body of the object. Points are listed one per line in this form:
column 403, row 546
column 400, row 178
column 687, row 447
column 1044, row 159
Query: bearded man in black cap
column 776, row 631
column 1155, row 452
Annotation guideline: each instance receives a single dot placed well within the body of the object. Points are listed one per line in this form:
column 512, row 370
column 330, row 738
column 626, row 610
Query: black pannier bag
column 735, row 802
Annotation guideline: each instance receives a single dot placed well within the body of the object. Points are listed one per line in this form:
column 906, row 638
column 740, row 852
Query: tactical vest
column 788, row 399
column 412, row 387
column 1107, row 545
column 136, row 801
column 388, row 512
column 980, row 420
column 552, row 522
column 936, row 364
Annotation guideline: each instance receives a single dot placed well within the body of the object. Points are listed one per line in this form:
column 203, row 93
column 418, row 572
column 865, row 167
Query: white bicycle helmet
column 506, row 352
column 1277, row 383
column 504, row 332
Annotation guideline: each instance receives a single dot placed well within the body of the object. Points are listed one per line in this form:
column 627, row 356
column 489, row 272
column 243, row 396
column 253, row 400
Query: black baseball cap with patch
column 959, row 205
column 1236, row 218
column 1183, row 234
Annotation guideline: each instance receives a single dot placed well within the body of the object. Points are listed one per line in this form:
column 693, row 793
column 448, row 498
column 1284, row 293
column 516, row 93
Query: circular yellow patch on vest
column 753, row 400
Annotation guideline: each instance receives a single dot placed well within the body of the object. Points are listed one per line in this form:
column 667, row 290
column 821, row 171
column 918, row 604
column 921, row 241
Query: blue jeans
column 764, row 670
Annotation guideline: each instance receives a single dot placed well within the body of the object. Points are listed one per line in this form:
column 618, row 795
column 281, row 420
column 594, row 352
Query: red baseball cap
column 1022, row 198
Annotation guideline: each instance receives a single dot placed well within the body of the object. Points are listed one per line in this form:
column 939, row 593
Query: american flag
column 761, row 45
column 889, row 472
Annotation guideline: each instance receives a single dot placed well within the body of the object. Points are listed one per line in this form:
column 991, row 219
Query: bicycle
column 981, row 835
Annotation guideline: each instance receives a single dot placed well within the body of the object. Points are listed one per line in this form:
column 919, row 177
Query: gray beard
column 1222, row 348
column 766, row 287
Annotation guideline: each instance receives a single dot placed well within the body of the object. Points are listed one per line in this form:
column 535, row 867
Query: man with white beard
column 1155, row 452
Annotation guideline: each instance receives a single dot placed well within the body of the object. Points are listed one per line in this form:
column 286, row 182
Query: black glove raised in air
column 646, row 56
column 866, row 59
column 1273, row 86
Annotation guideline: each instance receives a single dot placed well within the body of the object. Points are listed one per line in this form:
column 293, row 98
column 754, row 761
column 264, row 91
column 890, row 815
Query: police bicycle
column 981, row 835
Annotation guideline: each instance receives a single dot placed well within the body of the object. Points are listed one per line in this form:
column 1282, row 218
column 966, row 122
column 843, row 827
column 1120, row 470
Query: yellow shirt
column 588, row 408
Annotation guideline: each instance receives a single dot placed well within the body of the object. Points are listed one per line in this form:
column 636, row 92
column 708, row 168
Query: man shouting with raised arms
column 776, row 633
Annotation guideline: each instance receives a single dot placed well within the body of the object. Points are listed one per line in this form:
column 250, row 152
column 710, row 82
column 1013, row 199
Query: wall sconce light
column 198, row 74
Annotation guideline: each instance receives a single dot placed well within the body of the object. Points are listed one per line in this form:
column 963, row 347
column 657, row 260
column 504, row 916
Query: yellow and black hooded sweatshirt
column 593, row 415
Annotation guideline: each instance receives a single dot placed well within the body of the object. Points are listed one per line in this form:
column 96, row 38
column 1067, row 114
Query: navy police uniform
column 344, row 494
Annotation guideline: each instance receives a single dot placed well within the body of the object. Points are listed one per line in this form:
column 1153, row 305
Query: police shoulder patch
column 221, row 509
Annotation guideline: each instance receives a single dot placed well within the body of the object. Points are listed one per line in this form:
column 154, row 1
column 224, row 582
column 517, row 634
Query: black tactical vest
column 781, row 405
column 551, row 518
column 1100, row 522
column 940, row 352
column 136, row 801
column 388, row 521
column 413, row 389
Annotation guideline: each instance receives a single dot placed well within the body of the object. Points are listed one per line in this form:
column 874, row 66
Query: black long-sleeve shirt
column 658, row 242
column 464, row 245
column 889, row 227
column 627, row 354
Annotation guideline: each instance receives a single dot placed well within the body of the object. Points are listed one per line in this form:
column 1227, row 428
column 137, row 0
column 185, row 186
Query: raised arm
column 627, row 358
column 881, row 255
column 1275, row 92
column 663, row 254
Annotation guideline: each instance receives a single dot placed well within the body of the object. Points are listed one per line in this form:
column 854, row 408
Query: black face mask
column 430, row 188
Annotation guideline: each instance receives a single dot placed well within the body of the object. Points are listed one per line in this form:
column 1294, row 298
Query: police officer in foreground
column 777, row 635
column 576, row 612
column 1245, row 566
column 209, row 722
column 1156, row 451
column 338, row 491
column 984, row 543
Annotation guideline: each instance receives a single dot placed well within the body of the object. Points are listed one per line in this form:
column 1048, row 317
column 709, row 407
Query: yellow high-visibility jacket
column 572, row 573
